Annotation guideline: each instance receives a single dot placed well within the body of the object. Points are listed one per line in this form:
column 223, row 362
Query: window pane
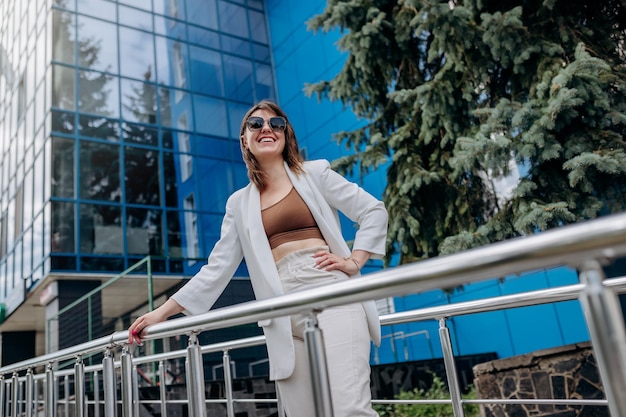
column 62, row 167
column 257, row 26
column 99, row 44
column 235, row 45
column 63, row 36
column 210, row 115
column 98, row 94
column 101, row 229
column 144, row 233
column 99, row 171
column 142, row 176
column 98, row 127
column 62, row 227
column 204, row 37
column 135, row 18
column 139, row 101
column 238, row 79
column 264, row 82
column 206, row 71
column 63, row 90
column 140, row 134
column 163, row 74
column 103, row 9
column 174, row 241
column 170, row 178
column 136, row 54
column 202, row 12
column 233, row 19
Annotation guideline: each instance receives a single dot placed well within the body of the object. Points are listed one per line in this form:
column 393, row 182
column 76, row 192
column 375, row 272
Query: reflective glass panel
column 202, row 13
column 204, row 37
column 163, row 74
column 101, row 229
column 103, row 9
column 238, row 78
column 63, row 91
column 174, row 240
column 144, row 231
column 210, row 115
column 62, row 227
column 139, row 101
column 233, row 19
column 98, row 44
column 141, row 168
column 63, row 36
column 170, row 177
column 206, row 71
column 98, row 127
column 257, row 26
column 99, row 171
column 135, row 18
column 137, row 54
column 235, row 45
column 98, row 94
column 171, row 8
column 264, row 82
column 140, row 4
column 144, row 135
column 62, row 167
column 165, row 109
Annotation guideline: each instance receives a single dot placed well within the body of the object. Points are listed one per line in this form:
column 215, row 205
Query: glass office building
column 119, row 127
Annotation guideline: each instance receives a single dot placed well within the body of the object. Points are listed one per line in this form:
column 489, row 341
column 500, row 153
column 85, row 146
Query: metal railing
column 31, row 387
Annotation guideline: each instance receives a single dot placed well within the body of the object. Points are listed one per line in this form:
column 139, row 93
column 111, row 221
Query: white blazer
column 325, row 192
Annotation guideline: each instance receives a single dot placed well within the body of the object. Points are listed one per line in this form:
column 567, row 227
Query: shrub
column 437, row 391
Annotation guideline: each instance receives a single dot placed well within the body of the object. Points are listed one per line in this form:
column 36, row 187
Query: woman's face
column 264, row 135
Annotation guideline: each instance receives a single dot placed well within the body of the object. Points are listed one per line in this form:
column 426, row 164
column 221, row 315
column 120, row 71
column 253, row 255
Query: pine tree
column 456, row 96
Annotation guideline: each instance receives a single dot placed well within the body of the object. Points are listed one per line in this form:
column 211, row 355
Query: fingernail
column 134, row 332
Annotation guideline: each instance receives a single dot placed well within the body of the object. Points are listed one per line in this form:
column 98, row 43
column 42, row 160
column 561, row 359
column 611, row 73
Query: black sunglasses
column 277, row 123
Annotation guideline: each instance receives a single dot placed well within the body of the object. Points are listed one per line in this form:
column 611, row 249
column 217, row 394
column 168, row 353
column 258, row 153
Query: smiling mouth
column 267, row 140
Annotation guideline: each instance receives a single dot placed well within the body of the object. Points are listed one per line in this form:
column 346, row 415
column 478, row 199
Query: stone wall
column 568, row 372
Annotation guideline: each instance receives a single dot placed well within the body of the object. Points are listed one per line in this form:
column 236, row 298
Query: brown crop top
column 289, row 219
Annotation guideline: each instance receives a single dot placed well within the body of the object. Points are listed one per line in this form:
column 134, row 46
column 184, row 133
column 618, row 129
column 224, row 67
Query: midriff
column 286, row 248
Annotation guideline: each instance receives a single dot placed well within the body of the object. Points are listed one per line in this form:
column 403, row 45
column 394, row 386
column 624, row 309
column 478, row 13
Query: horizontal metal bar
column 570, row 245
column 603, row 238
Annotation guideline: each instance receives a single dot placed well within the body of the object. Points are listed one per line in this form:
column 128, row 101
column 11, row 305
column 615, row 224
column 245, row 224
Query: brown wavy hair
column 291, row 153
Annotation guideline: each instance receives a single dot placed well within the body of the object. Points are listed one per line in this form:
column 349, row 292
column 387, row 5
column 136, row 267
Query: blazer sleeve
column 356, row 204
column 202, row 291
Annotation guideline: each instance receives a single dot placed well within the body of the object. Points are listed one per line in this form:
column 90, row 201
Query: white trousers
column 346, row 340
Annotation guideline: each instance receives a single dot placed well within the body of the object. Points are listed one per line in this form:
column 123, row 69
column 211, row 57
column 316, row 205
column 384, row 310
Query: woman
column 289, row 213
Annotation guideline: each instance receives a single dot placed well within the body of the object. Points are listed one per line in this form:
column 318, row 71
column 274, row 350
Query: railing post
column 608, row 336
column 50, row 406
column 314, row 342
column 228, row 384
column 79, row 387
column 451, row 374
column 108, row 384
column 135, row 391
column 195, row 378
column 126, row 367
column 96, row 394
column 163, row 388
column 29, row 396
column 15, row 388
column 2, row 396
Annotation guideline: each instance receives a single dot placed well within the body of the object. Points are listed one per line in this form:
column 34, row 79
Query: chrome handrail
column 598, row 241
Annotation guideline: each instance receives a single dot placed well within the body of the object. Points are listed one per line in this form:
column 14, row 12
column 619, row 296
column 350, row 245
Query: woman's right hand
column 135, row 331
